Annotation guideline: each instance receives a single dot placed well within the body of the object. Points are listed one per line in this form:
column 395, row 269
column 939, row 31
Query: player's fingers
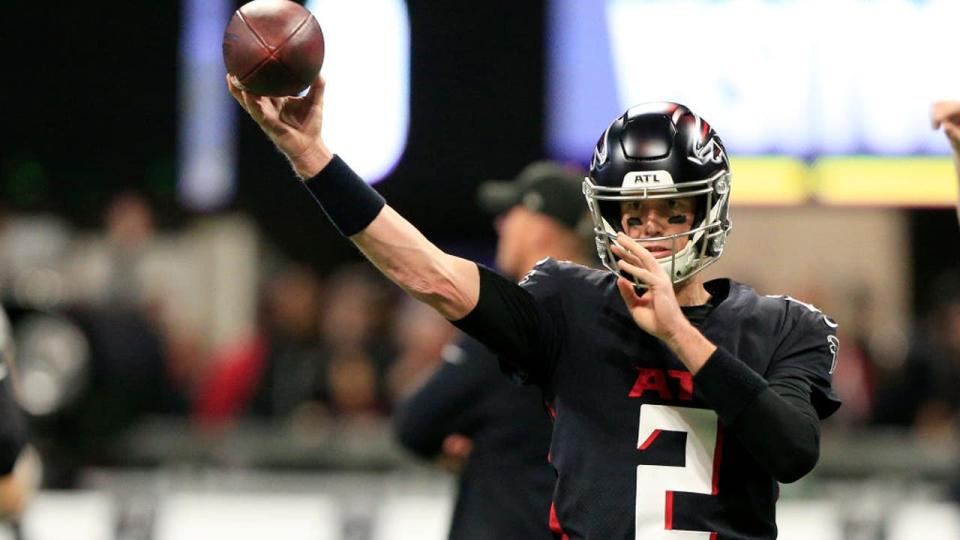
column 268, row 106
column 622, row 253
column 633, row 297
column 627, row 256
column 313, row 99
column 628, row 292
column 320, row 89
column 252, row 104
column 315, row 94
column 626, row 248
column 235, row 90
column 640, row 255
column 645, row 276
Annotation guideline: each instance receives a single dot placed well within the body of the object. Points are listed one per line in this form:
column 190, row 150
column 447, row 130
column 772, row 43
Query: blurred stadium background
column 201, row 356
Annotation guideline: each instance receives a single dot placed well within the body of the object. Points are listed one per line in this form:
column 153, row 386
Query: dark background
column 94, row 112
column 90, row 101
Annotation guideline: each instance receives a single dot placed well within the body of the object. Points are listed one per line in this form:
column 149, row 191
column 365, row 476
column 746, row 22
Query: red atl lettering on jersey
column 655, row 380
column 686, row 384
column 651, row 379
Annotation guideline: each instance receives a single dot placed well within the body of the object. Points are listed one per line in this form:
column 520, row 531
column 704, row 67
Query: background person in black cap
column 470, row 417
column 539, row 214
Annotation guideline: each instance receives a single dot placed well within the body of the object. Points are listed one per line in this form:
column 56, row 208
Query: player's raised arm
column 946, row 115
column 448, row 284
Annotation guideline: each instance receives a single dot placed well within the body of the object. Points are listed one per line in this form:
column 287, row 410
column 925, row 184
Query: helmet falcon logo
column 834, row 343
column 600, row 152
column 708, row 147
column 709, row 152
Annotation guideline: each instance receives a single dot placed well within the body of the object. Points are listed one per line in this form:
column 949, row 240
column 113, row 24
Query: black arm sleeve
column 510, row 322
column 774, row 420
column 442, row 406
column 782, row 430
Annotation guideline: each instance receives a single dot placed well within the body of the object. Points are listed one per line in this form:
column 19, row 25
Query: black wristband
column 350, row 204
column 727, row 385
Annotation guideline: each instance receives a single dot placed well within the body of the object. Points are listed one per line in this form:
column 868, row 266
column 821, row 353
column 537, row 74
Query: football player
column 680, row 404
column 472, row 416
column 946, row 115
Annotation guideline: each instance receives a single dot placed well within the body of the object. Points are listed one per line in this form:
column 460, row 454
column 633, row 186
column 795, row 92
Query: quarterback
column 679, row 404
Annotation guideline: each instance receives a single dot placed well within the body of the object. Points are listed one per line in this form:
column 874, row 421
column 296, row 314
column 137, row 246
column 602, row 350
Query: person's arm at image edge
column 946, row 115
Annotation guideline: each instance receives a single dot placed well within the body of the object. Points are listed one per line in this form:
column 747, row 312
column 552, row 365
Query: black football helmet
column 661, row 151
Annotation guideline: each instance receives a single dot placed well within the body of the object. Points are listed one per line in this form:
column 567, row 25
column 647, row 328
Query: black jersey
column 638, row 452
column 506, row 487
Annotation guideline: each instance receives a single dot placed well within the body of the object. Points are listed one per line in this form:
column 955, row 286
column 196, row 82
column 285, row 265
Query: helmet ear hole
column 699, row 210
column 716, row 246
column 610, row 210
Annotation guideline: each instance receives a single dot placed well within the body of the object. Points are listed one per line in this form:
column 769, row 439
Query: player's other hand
column 946, row 115
column 656, row 311
column 292, row 123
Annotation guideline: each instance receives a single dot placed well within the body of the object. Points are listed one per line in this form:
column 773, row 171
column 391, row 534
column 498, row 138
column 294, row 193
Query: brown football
column 273, row 47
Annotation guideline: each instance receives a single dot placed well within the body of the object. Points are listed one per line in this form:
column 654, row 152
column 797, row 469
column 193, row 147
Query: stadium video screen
column 798, row 78
column 793, row 77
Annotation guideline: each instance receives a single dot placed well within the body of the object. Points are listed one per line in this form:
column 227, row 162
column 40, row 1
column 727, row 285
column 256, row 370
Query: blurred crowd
column 342, row 347
column 108, row 333
column 902, row 378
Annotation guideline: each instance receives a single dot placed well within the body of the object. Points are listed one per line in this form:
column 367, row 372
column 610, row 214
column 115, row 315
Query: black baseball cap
column 544, row 186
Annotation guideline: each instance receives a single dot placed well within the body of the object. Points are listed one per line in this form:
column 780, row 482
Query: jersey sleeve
column 806, row 355
column 521, row 323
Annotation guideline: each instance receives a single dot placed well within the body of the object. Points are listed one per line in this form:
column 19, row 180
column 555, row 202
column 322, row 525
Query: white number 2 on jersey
column 656, row 483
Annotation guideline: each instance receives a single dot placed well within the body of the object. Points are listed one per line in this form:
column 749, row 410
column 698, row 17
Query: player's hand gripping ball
column 273, row 47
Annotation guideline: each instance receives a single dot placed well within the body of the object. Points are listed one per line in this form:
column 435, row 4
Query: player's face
column 658, row 217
